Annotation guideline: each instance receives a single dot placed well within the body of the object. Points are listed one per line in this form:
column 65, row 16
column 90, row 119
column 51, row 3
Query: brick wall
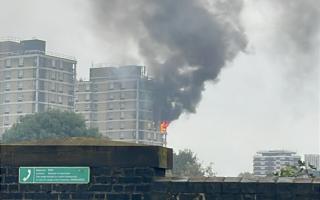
column 135, row 173
column 105, row 183
column 116, row 172
column 221, row 188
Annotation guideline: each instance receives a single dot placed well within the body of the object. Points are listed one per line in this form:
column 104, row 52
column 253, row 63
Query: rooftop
column 14, row 47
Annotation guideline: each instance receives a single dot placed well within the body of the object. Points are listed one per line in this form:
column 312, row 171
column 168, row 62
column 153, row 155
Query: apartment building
column 119, row 102
column 268, row 162
column 33, row 80
column 313, row 159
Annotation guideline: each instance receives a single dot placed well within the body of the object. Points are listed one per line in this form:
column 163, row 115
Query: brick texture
column 135, row 173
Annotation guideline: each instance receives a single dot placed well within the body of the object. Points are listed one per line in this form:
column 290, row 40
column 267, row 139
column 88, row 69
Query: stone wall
column 105, row 183
column 135, row 173
column 225, row 188
column 117, row 172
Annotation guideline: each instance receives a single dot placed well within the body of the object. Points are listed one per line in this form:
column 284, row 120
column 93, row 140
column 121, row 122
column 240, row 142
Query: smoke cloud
column 183, row 42
column 299, row 21
column 297, row 36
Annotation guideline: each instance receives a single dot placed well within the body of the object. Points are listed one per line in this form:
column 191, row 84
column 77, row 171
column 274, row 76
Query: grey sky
column 266, row 98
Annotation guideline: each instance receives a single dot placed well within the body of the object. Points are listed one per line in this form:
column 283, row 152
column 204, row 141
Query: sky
column 265, row 98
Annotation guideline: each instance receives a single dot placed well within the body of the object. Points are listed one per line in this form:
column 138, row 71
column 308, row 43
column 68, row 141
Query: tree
column 52, row 124
column 186, row 163
column 301, row 170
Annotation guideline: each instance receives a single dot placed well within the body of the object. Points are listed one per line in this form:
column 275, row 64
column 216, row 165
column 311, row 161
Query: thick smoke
column 299, row 21
column 183, row 42
column 297, row 36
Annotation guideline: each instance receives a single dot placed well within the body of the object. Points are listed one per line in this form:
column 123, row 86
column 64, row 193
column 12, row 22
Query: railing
column 48, row 53
column 10, row 39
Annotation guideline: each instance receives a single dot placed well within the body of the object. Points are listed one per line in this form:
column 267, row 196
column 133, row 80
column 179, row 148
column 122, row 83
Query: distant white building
column 313, row 159
column 268, row 162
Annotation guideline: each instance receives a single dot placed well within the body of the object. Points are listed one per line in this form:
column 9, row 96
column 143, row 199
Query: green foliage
column 301, row 170
column 186, row 163
column 48, row 125
column 288, row 171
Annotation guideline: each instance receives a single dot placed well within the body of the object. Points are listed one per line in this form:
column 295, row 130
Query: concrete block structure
column 33, row 80
column 119, row 102
column 268, row 162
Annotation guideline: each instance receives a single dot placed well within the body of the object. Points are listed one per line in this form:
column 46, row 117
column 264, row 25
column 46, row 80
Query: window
column 121, row 115
column 122, row 105
column 6, row 98
column 122, row 85
column 110, row 126
column 58, row 63
column 110, row 106
column 53, row 75
column 70, row 101
column 7, row 86
column 60, row 99
column 19, row 97
column 53, row 98
column 94, row 87
column 7, row 75
column 19, row 108
column 111, row 96
column 20, row 62
column 8, row 63
column 61, row 65
column 87, row 107
column 53, row 63
column 121, row 135
column 6, row 120
column 53, row 87
column 60, row 76
column 121, row 125
column 94, row 107
column 94, row 97
column 149, row 126
column 61, row 88
column 111, row 86
column 19, row 85
column 155, row 136
column 7, row 109
column 20, row 74
column 110, row 116
column 122, row 95
column 87, row 97
column 87, row 87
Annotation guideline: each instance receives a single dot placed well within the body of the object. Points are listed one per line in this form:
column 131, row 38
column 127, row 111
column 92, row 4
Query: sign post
column 49, row 175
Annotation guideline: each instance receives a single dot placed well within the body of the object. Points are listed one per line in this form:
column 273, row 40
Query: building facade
column 31, row 80
column 268, row 162
column 313, row 159
column 119, row 102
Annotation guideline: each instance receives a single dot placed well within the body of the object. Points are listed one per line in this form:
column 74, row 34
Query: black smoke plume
column 183, row 42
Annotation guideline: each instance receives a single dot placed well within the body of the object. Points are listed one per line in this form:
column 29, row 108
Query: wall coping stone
column 241, row 180
column 86, row 155
column 316, row 180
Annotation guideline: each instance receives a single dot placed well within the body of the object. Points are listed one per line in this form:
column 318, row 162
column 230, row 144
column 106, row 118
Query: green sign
column 63, row 175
